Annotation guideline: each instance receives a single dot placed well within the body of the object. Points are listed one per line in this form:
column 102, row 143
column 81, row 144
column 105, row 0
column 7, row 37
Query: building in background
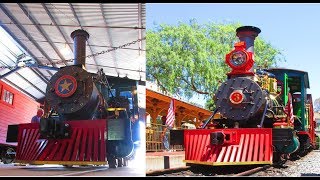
column 317, row 117
column 15, row 107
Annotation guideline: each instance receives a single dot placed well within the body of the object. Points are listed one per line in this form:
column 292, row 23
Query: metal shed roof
column 41, row 33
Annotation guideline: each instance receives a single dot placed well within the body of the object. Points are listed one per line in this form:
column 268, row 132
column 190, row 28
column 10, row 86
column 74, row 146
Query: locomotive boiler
column 86, row 123
column 71, row 91
column 261, row 116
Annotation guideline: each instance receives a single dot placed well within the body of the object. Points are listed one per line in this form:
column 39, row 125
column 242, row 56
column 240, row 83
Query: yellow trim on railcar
column 116, row 109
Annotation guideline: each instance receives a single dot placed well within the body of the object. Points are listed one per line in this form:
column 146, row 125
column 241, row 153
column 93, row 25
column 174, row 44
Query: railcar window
column 128, row 95
column 294, row 83
column 113, row 93
column 7, row 96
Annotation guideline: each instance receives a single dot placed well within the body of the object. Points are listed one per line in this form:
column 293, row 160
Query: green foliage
column 189, row 58
column 210, row 105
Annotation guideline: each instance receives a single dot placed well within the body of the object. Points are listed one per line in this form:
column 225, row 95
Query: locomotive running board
column 246, row 146
column 85, row 146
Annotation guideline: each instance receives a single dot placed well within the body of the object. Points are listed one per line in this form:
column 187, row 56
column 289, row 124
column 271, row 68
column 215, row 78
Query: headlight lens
column 238, row 58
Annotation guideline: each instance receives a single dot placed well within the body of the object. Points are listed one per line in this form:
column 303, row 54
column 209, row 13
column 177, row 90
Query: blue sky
column 292, row 28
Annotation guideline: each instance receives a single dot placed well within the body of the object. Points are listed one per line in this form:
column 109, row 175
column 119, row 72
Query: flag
column 289, row 109
column 171, row 114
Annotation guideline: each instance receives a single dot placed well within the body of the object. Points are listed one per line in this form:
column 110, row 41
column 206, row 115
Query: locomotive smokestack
column 79, row 37
column 248, row 35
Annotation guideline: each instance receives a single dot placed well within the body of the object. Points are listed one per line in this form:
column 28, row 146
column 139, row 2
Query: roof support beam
column 24, row 91
column 140, row 26
column 40, row 29
column 92, row 45
column 3, row 63
column 31, row 84
column 66, row 25
column 114, row 56
column 56, row 25
column 9, row 58
column 17, row 68
column 8, row 73
column 44, row 67
column 9, row 50
column 77, row 18
column 39, row 74
column 19, row 42
column 25, row 32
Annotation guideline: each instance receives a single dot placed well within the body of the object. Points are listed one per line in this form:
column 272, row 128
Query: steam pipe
column 264, row 114
column 209, row 119
column 79, row 46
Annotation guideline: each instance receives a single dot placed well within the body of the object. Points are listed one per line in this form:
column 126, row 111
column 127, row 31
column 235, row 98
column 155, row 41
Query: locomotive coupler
column 53, row 128
column 217, row 138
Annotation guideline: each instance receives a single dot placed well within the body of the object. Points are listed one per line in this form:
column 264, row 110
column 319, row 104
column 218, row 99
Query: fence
column 157, row 139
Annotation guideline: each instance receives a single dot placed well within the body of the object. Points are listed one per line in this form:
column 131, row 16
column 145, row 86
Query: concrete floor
column 58, row 170
column 136, row 167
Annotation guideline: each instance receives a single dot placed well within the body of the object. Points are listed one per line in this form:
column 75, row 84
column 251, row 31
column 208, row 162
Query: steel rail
column 166, row 171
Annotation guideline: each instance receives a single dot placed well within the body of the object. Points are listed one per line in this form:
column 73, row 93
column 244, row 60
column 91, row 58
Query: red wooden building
column 15, row 108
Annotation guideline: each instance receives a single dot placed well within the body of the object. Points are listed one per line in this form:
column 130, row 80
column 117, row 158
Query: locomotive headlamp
column 238, row 58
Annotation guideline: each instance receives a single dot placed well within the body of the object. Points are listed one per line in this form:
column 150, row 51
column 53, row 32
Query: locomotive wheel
column 120, row 162
column 304, row 147
column 121, row 148
column 112, row 161
column 124, row 149
column 303, row 152
column 125, row 161
column 279, row 159
column 294, row 157
column 8, row 155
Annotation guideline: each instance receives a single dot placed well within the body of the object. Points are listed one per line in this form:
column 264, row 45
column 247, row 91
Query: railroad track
column 252, row 171
column 167, row 171
column 219, row 170
column 209, row 171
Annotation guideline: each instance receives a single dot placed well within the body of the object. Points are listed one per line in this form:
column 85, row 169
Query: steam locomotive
column 91, row 119
column 262, row 116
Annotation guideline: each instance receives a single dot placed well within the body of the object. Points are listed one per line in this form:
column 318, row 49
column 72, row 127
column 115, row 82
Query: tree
column 191, row 57
column 210, row 104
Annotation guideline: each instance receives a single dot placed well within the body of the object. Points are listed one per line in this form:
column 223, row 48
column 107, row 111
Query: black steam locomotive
column 90, row 118
column 262, row 115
